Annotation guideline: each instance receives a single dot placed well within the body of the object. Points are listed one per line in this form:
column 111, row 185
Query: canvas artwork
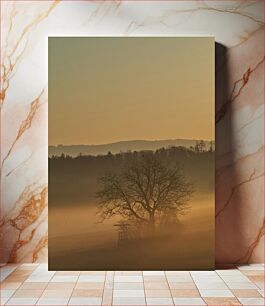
column 131, row 153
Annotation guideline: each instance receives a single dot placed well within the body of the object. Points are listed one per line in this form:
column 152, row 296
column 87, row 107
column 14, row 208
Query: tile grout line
column 231, row 289
column 73, row 288
column 218, row 289
column 169, row 288
column 102, row 296
column 112, row 294
column 228, row 287
column 15, row 290
column 43, row 289
column 216, row 274
column 145, row 298
column 112, row 291
column 197, row 288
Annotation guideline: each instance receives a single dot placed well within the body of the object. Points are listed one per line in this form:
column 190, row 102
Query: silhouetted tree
column 144, row 190
column 211, row 148
column 200, row 146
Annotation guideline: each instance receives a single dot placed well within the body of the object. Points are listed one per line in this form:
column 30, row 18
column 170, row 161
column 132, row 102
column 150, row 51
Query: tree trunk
column 152, row 223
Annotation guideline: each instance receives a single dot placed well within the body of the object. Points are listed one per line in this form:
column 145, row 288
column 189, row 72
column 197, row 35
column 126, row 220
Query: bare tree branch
column 145, row 189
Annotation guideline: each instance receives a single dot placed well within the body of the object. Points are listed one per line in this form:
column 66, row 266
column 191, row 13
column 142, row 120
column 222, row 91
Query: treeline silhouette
column 74, row 180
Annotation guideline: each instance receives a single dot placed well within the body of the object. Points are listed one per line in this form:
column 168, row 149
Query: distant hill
column 121, row 146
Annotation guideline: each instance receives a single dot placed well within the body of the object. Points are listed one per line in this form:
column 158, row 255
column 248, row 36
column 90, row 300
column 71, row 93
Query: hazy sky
column 103, row 90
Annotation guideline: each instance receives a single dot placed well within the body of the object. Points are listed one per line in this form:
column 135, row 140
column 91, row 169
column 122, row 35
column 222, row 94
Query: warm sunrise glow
column 103, row 90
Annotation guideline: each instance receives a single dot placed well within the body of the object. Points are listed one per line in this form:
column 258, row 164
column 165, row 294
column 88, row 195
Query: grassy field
column 78, row 242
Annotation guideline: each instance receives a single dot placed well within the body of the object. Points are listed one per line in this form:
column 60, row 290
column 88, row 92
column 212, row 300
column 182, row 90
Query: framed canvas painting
column 131, row 153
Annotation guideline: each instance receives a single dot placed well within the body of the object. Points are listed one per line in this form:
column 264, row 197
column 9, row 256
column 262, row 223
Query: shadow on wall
column 225, row 157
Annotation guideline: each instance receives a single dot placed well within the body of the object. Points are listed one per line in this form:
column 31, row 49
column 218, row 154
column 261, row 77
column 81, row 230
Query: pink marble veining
column 238, row 27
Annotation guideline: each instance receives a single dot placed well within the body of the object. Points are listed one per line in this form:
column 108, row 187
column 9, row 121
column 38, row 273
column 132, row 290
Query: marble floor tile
column 145, row 273
column 16, row 278
column 154, row 278
column 129, row 273
column 91, row 278
column 128, row 286
column 212, row 285
column 56, row 294
column 261, row 292
column 253, row 272
column 232, row 272
column 22, row 301
column 28, row 293
column 235, row 278
column 93, row 301
column 189, row 301
column 190, row 285
column 89, row 285
column 28, row 266
column 241, row 285
column 128, row 278
column 177, row 273
column 6, row 270
column 256, row 278
column 159, row 301
column 185, row 293
column 179, row 278
column 34, row 286
column 68, row 273
column 157, row 293
column 7, row 293
column 97, row 273
column 206, row 278
column 64, row 278
column 87, row 293
column 107, row 297
column 151, row 288
column 3, row 300
column 128, row 301
column 251, row 267
column 60, row 286
column 215, row 301
column 241, row 293
column 26, row 270
column 39, row 278
column 10, row 285
column 43, row 270
column 260, row 285
column 53, row 301
column 203, row 273
column 251, row 301
column 156, row 285
column 216, row 293
column 43, row 266
column 128, row 293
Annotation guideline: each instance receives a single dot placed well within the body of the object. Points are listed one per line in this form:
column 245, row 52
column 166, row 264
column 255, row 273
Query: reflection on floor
column 33, row 284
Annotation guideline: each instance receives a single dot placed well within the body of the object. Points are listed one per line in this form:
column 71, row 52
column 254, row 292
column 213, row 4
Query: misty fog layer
column 77, row 240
